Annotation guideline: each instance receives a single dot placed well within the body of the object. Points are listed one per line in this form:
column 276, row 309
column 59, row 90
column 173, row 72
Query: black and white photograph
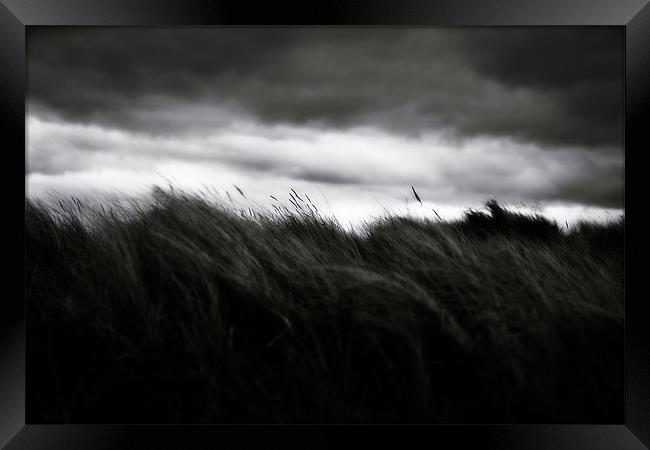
column 325, row 224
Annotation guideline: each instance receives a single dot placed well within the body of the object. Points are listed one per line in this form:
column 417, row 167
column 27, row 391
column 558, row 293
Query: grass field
column 185, row 311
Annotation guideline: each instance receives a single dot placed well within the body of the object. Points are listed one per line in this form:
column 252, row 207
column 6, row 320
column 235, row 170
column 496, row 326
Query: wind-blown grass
column 185, row 311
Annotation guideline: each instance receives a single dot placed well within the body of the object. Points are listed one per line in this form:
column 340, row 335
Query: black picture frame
column 632, row 15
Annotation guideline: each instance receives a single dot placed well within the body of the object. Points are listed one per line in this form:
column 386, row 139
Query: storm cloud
column 550, row 86
column 482, row 105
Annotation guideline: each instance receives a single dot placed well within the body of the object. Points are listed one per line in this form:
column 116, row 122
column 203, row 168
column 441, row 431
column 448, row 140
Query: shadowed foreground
column 186, row 312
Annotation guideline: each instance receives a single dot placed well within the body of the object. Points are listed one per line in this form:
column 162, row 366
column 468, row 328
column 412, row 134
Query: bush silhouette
column 499, row 221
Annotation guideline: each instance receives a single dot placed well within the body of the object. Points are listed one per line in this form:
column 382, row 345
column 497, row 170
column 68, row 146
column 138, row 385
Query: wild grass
column 186, row 311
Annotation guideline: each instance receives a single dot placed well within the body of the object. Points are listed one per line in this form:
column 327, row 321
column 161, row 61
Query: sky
column 353, row 117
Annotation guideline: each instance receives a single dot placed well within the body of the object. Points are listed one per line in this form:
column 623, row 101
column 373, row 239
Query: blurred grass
column 185, row 311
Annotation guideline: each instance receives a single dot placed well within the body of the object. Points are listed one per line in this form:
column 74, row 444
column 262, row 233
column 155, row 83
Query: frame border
column 632, row 15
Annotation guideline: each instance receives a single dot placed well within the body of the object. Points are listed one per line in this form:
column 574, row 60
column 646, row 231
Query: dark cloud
column 580, row 70
column 554, row 87
column 557, row 58
column 326, row 176
column 597, row 185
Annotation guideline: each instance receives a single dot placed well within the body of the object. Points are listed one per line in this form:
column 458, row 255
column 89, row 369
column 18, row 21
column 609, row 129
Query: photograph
column 325, row 225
